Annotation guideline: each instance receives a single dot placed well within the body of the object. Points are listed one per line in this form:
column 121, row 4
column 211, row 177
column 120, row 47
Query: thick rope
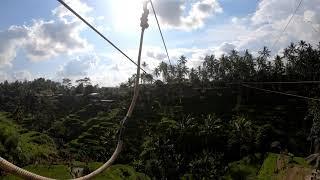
column 13, row 169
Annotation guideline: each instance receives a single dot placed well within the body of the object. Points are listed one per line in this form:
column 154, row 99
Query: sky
column 42, row 39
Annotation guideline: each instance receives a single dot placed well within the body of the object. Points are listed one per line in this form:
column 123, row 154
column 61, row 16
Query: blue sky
column 42, row 39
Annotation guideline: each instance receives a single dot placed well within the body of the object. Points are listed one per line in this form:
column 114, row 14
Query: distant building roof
column 108, row 101
column 93, row 94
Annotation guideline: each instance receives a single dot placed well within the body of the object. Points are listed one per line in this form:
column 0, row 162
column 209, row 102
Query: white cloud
column 224, row 48
column 22, row 75
column 271, row 17
column 195, row 56
column 311, row 16
column 44, row 39
column 10, row 41
column 4, row 76
column 269, row 11
column 81, row 8
column 230, row 32
column 174, row 14
column 103, row 69
column 265, row 25
column 79, row 67
column 52, row 38
column 112, row 69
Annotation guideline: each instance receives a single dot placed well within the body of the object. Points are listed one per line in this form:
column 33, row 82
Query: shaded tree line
column 189, row 122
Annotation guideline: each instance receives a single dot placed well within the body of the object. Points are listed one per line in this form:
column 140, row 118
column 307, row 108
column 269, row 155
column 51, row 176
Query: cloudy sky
column 42, row 39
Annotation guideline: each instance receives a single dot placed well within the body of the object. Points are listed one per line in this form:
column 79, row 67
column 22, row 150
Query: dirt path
column 291, row 172
column 297, row 173
column 281, row 163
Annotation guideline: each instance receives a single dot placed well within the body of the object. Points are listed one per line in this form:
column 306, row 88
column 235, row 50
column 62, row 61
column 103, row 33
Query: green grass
column 301, row 161
column 116, row 172
column 268, row 167
column 55, row 171
column 35, row 145
column 299, row 167
column 30, row 145
column 7, row 127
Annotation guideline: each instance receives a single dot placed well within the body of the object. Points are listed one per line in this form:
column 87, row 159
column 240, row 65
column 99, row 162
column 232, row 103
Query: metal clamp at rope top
column 144, row 19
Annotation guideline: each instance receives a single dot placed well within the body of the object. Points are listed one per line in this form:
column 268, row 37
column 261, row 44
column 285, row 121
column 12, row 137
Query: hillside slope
column 283, row 167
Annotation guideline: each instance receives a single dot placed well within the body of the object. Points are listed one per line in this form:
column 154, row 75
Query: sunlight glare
column 126, row 14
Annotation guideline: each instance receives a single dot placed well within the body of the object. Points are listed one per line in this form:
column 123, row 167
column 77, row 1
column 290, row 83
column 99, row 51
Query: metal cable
column 285, row 28
column 13, row 169
column 164, row 43
column 99, row 33
column 313, row 27
column 282, row 93
column 281, row 82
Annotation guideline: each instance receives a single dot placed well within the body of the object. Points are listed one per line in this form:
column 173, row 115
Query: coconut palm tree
column 182, row 69
column 156, row 72
column 163, row 69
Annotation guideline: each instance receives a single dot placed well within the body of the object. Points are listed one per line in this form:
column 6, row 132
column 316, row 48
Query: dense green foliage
column 198, row 123
column 117, row 172
column 23, row 146
column 246, row 168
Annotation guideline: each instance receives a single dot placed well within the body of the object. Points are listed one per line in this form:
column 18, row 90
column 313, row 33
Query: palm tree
column 193, row 76
column 303, row 44
column 225, row 67
column 143, row 78
column 67, row 82
column 143, row 75
column 172, row 72
column 210, row 127
column 182, row 69
column 211, row 65
column 163, row 69
column 278, row 68
column 144, row 64
column 243, row 133
column 148, row 78
column 265, row 53
column 156, row 72
column 250, row 65
column 263, row 67
column 314, row 137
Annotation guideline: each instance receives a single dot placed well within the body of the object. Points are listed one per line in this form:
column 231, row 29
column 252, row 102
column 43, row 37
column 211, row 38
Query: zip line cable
column 285, row 28
column 313, row 27
column 98, row 32
column 282, row 93
column 280, row 82
column 164, row 43
column 257, row 83
column 13, row 169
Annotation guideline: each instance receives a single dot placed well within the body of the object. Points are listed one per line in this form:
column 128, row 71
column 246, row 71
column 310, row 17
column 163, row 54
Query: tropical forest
column 236, row 116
